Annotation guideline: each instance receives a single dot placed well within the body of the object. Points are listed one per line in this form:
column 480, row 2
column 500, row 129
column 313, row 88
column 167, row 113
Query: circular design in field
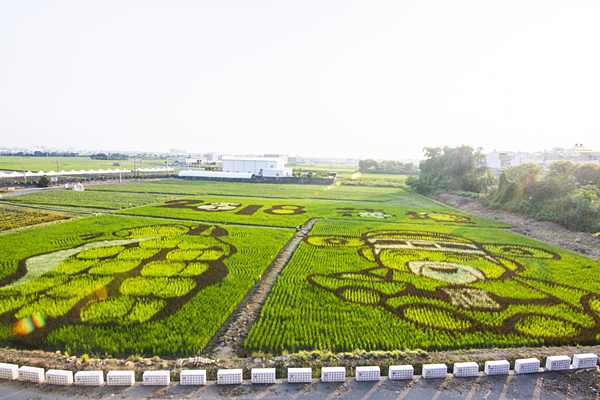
column 446, row 271
column 218, row 207
column 441, row 217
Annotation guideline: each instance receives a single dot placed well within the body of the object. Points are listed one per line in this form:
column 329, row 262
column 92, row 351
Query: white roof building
column 260, row 166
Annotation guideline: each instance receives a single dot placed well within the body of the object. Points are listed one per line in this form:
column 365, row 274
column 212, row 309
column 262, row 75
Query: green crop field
column 383, row 268
column 34, row 164
column 89, row 199
column 393, row 286
column 12, row 217
column 381, row 180
column 291, row 213
column 123, row 285
column 323, row 167
column 396, row 196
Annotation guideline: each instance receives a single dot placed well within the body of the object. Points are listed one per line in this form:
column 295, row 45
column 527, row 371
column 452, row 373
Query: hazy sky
column 341, row 78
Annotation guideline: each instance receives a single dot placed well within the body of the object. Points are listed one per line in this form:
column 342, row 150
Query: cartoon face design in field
column 450, row 282
column 136, row 276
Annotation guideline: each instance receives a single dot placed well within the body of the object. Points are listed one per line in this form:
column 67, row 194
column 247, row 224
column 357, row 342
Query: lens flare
column 338, row 183
column 26, row 325
column 355, row 175
column 23, row 327
column 38, row 320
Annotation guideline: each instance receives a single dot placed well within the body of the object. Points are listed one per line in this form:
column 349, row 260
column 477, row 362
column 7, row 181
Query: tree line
column 565, row 193
column 391, row 167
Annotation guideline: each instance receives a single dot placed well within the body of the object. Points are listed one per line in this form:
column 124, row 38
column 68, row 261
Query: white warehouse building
column 260, row 166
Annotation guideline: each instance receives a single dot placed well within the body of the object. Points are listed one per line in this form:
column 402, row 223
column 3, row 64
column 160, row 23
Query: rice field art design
column 130, row 277
column 450, row 283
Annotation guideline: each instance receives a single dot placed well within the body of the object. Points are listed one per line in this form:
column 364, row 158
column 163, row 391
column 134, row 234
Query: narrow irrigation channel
column 229, row 339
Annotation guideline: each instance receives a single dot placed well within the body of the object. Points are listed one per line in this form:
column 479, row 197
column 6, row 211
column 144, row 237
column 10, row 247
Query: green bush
column 44, row 181
column 561, row 195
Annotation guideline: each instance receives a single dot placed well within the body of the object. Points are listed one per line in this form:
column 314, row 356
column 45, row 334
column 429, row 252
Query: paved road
column 528, row 387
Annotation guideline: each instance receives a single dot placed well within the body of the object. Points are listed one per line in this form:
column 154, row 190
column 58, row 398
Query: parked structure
column 578, row 154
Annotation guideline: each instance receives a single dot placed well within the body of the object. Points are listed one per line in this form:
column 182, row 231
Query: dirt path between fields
column 228, row 342
column 548, row 232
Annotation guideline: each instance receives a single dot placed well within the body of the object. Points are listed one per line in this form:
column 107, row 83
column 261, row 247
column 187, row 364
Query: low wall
column 265, row 179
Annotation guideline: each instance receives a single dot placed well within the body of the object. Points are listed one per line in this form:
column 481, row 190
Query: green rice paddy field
column 383, row 268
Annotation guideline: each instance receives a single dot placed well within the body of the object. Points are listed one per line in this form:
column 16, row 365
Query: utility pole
column 167, row 165
column 24, row 176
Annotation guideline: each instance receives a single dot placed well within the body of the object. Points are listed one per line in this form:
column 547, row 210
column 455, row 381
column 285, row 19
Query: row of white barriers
column 295, row 375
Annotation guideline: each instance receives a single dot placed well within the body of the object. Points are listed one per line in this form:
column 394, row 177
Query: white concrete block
column 558, row 363
column 192, row 377
column 89, row 378
column 466, row 369
column 120, row 378
column 398, row 372
column 333, row 374
column 9, row 371
column 59, row 377
column 229, row 377
column 365, row 374
column 498, row 367
column 156, row 378
column 299, row 375
column 31, row 374
column 435, row 371
column 527, row 366
column 585, row 360
column 262, row 375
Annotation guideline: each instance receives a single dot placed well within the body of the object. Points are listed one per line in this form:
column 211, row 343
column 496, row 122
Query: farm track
column 228, row 341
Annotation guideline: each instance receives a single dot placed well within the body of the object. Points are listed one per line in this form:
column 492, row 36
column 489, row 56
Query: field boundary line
column 203, row 222
column 249, row 309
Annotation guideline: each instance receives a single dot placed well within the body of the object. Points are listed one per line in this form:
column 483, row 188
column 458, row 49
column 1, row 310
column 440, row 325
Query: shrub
column 44, row 181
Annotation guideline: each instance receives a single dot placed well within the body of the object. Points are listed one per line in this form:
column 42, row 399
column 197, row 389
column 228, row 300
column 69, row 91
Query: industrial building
column 260, row 166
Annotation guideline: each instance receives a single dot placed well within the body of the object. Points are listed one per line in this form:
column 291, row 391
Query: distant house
column 500, row 160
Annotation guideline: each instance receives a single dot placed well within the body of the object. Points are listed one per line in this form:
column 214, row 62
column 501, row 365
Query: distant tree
column 524, row 174
column 588, row 173
column 561, row 167
column 44, row 181
column 448, row 169
column 368, row 165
